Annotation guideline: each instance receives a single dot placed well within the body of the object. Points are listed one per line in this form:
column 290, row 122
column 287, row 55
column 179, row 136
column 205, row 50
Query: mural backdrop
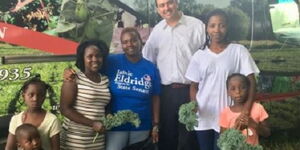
column 40, row 37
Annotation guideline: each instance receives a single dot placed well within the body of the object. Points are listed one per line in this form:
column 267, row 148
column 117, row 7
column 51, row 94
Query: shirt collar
column 180, row 21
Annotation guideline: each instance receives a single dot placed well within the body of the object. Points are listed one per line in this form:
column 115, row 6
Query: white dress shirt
column 171, row 48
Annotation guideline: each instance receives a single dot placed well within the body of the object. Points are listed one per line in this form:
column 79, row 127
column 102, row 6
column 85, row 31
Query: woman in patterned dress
column 83, row 100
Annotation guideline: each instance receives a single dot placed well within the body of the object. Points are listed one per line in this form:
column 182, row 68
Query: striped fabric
column 91, row 101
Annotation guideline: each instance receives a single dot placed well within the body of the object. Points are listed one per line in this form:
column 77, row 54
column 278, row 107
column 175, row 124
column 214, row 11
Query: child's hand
column 242, row 121
column 69, row 74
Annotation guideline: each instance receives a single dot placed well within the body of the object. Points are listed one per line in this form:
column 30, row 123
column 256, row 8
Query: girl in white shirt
column 208, row 71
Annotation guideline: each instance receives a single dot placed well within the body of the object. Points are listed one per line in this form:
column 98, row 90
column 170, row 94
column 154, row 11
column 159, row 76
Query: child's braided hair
column 12, row 107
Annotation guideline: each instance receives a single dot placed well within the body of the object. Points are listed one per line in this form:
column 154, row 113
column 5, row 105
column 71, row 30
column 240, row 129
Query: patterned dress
column 90, row 101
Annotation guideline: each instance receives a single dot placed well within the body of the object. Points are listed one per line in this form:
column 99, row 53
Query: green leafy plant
column 187, row 115
column 119, row 118
column 232, row 139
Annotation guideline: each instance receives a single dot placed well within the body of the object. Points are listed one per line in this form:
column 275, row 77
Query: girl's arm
column 193, row 90
column 155, row 110
column 251, row 94
column 262, row 128
column 55, row 142
column 67, row 100
column 250, row 100
column 11, row 142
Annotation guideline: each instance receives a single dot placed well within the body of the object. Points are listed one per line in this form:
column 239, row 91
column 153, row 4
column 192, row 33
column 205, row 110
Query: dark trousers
column 173, row 135
column 207, row 139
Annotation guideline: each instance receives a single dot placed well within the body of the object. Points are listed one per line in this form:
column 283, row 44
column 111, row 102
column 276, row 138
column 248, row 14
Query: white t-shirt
column 171, row 48
column 211, row 70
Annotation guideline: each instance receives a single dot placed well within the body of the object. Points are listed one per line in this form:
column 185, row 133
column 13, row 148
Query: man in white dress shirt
column 171, row 45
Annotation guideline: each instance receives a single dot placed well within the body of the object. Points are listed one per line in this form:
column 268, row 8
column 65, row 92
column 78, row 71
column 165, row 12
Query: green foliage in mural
column 239, row 24
column 36, row 15
column 87, row 20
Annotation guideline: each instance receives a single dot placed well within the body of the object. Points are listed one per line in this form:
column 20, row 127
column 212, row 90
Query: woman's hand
column 69, row 74
column 252, row 123
column 98, row 127
column 154, row 134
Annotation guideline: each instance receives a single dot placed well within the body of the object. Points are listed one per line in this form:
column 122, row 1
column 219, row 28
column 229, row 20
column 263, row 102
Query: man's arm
column 149, row 50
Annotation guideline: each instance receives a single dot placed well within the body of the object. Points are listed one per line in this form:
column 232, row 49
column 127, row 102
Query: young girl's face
column 237, row 90
column 34, row 96
column 30, row 142
column 217, row 28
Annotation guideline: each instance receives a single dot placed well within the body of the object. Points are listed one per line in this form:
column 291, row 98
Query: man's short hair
column 172, row 0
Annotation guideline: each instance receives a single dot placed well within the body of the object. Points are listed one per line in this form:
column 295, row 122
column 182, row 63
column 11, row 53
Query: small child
column 34, row 94
column 28, row 137
column 252, row 126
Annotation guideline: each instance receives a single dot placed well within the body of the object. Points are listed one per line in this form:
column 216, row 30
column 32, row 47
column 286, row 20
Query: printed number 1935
column 15, row 74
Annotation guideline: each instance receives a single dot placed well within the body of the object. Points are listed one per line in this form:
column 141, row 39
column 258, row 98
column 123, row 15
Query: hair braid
column 52, row 99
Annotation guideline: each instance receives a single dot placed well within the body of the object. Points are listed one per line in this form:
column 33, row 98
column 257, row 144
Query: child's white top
column 211, row 70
